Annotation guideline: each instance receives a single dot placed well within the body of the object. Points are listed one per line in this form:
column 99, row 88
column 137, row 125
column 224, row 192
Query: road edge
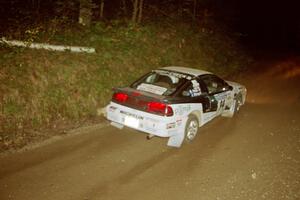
column 76, row 131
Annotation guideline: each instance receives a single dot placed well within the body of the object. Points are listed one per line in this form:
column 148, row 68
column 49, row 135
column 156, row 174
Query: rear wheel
column 191, row 128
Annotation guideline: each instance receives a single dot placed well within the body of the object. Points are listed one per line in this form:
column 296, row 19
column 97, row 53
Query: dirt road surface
column 255, row 155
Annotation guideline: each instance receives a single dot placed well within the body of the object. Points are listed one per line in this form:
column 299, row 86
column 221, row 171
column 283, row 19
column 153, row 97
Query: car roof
column 186, row 70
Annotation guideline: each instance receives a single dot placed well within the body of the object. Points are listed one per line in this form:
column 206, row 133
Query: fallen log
column 77, row 49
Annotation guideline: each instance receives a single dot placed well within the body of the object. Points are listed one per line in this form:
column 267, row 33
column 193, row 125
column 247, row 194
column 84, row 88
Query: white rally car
column 174, row 102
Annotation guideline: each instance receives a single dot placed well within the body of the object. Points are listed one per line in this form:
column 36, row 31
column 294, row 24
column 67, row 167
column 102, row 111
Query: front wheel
column 238, row 103
column 191, row 128
column 235, row 107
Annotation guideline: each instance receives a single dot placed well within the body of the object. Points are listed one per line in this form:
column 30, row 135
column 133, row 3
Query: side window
column 192, row 89
column 213, row 83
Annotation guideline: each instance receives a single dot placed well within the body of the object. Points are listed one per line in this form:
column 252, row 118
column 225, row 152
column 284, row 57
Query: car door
column 190, row 95
column 217, row 93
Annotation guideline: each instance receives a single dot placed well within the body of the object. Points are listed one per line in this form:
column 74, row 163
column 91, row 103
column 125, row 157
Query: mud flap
column 176, row 140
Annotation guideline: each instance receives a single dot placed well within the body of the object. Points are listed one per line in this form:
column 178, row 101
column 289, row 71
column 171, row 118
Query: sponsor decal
column 180, row 110
column 171, row 125
column 176, row 74
column 220, row 96
column 152, row 88
column 131, row 115
column 179, row 122
column 112, row 108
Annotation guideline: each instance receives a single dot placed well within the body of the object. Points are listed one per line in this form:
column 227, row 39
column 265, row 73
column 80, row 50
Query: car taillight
column 120, row 97
column 160, row 108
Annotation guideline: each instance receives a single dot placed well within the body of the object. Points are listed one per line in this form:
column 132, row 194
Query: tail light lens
column 160, row 108
column 120, row 97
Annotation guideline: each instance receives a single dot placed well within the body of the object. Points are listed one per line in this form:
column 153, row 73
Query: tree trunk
column 35, row 4
column 124, row 7
column 135, row 11
column 85, row 12
column 180, row 8
column 101, row 9
column 195, row 10
column 140, row 11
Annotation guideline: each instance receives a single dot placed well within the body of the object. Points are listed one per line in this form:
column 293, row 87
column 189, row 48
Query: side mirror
column 227, row 88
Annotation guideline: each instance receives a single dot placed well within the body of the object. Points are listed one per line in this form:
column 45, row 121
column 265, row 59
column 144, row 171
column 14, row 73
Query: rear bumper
column 146, row 122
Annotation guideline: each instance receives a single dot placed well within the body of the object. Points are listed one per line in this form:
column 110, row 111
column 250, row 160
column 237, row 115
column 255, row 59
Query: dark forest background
column 266, row 24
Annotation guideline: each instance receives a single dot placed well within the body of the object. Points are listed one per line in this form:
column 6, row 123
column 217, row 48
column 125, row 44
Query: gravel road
column 255, row 155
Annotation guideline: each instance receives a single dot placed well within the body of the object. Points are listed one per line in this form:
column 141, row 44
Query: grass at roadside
column 40, row 88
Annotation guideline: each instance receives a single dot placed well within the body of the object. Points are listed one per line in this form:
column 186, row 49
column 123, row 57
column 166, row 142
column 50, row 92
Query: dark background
column 262, row 25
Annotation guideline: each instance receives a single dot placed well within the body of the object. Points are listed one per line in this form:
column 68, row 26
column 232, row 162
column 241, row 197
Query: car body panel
column 197, row 92
column 186, row 70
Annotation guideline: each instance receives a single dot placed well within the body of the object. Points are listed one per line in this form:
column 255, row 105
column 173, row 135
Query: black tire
column 191, row 128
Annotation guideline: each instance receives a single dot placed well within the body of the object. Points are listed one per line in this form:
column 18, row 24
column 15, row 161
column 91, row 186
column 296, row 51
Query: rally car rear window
column 160, row 83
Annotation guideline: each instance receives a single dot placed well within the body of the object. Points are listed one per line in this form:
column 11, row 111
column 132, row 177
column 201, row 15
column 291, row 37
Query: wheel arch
column 198, row 115
column 238, row 96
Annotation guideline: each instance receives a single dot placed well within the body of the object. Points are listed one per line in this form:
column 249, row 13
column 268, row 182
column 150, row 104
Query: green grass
column 39, row 87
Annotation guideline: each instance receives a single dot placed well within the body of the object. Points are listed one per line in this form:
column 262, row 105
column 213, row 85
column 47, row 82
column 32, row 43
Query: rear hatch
column 143, row 101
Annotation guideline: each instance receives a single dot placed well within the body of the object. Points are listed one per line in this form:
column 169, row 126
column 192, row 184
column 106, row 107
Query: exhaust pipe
column 149, row 136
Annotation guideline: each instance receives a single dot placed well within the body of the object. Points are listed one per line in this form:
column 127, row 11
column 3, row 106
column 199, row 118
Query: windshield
column 160, row 82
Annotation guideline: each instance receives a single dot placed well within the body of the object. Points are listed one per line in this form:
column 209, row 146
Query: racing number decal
column 222, row 104
column 221, row 98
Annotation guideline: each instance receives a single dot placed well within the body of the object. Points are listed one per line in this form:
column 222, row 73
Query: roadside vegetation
column 45, row 90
